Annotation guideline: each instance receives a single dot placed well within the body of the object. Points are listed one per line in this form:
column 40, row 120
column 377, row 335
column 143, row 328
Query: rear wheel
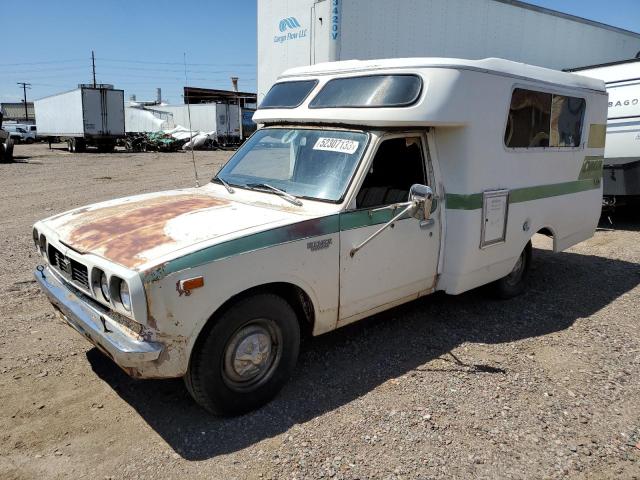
column 246, row 356
column 515, row 282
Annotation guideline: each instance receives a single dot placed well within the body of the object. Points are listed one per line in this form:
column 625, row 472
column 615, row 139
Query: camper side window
column 397, row 166
column 539, row 119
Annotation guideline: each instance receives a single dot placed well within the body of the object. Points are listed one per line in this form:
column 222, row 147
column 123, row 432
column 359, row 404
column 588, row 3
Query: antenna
column 193, row 156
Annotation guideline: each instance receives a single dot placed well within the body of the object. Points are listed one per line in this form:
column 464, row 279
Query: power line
column 43, row 63
column 178, row 63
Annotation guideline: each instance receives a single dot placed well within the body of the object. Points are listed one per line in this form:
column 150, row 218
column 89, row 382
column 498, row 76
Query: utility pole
column 93, row 64
column 25, row 85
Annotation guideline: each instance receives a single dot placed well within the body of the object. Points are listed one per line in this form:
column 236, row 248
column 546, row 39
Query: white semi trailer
column 621, row 173
column 86, row 116
column 295, row 33
column 220, row 118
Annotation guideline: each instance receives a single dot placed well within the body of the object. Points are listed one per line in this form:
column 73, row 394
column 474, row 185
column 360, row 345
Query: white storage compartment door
column 114, row 118
column 92, row 111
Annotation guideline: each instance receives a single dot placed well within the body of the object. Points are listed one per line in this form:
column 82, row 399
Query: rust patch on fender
column 122, row 232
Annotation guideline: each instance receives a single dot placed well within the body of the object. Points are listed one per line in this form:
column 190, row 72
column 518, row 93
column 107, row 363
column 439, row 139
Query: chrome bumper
column 95, row 324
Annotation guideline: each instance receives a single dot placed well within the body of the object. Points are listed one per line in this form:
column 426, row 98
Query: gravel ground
column 542, row 386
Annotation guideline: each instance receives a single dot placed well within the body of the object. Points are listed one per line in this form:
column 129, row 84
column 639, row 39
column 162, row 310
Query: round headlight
column 104, row 286
column 125, row 298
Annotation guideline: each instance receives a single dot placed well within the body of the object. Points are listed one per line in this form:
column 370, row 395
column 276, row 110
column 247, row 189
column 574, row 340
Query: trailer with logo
column 307, row 32
column 621, row 174
column 89, row 116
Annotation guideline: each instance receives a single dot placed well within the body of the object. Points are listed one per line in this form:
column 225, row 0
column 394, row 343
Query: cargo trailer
column 306, row 32
column 220, row 119
column 621, row 172
column 86, row 116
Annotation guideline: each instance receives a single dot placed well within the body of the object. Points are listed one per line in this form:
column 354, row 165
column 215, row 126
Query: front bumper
column 94, row 323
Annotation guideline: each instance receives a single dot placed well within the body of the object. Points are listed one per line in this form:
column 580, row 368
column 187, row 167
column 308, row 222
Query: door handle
column 426, row 224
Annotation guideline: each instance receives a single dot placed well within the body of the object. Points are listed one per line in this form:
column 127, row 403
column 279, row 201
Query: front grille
column 75, row 271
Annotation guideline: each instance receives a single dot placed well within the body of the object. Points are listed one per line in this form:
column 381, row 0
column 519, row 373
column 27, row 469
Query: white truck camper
column 370, row 184
column 622, row 152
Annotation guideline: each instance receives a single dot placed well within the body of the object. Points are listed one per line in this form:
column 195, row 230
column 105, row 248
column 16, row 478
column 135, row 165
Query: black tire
column 6, row 151
column 71, row 145
column 213, row 377
column 515, row 283
column 80, row 145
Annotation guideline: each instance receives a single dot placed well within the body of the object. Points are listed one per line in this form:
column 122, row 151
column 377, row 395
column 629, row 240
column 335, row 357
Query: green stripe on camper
column 474, row 201
column 456, row 201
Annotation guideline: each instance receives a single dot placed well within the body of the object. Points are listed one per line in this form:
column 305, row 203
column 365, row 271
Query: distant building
column 13, row 112
column 208, row 95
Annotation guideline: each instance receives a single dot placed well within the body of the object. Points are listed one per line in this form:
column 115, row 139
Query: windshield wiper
column 277, row 191
column 226, row 185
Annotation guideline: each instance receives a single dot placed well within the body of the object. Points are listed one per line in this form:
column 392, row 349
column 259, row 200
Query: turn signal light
column 185, row 286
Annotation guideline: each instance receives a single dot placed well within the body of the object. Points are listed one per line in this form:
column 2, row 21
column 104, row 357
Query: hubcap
column 251, row 355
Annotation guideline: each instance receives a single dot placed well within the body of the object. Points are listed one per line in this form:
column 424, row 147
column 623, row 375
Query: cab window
column 397, row 165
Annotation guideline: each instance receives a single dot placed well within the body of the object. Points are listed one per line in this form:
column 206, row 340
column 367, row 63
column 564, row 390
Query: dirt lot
column 543, row 386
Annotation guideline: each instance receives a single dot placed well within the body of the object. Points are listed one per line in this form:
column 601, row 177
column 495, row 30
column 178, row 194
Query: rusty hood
column 141, row 230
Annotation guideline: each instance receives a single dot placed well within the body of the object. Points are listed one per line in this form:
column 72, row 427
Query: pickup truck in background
column 21, row 133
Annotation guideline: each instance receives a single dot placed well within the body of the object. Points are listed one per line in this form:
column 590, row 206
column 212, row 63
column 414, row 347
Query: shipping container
column 86, row 116
column 295, row 33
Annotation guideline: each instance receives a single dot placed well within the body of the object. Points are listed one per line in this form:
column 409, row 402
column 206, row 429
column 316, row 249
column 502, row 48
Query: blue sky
column 139, row 44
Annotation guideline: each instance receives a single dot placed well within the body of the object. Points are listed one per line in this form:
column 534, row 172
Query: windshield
column 307, row 163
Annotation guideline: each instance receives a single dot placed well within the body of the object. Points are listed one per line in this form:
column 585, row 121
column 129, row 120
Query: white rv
column 370, row 184
column 622, row 152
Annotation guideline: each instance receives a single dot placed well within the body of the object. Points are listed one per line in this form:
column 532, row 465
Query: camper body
column 369, row 185
column 293, row 33
column 622, row 153
column 87, row 116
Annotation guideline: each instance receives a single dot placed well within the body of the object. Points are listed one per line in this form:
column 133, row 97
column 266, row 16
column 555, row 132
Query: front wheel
column 246, row 356
column 515, row 282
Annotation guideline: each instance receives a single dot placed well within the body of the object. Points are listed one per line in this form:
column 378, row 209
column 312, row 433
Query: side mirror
column 422, row 196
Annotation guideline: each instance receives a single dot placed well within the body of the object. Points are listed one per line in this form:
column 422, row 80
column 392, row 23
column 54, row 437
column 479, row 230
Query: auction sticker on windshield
column 336, row 145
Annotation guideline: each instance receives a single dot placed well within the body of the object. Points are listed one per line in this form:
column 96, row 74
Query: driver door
column 401, row 263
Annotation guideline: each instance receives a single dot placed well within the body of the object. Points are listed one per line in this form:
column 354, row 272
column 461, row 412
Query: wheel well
column 548, row 232
column 294, row 295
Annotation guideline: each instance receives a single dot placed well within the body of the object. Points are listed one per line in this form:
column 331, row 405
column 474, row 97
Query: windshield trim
column 321, row 128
